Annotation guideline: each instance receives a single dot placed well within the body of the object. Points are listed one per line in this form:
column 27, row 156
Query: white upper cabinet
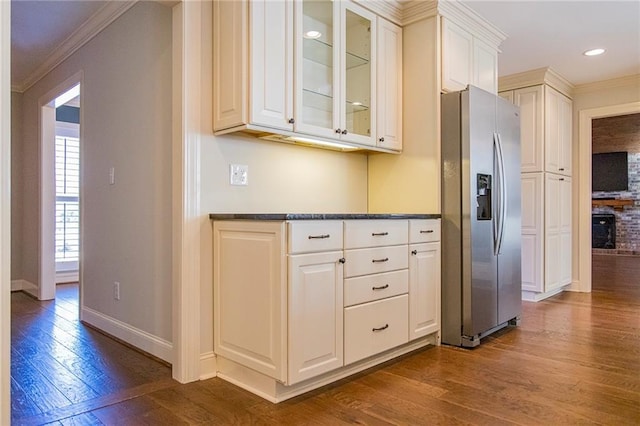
column 252, row 78
column 389, row 90
column 307, row 69
column 557, row 132
column 335, row 76
column 466, row 59
column 545, row 129
column 530, row 101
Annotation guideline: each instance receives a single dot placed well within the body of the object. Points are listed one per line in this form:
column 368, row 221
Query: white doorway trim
column 47, row 274
column 187, row 70
column 5, row 211
column 584, row 195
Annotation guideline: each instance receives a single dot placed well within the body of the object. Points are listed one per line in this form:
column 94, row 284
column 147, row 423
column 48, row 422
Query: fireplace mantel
column 617, row 204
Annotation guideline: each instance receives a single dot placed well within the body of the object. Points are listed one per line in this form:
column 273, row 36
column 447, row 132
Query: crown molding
column 390, row 9
column 89, row 29
column 466, row 17
column 536, row 77
column 416, row 10
column 631, row 81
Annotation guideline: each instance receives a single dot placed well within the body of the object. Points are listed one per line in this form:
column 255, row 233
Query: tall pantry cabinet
column 545, row 112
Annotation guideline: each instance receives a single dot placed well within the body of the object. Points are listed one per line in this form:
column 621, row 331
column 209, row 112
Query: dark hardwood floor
column 575, row 359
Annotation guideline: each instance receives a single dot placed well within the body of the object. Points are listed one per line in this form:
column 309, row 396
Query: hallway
column 60, row 366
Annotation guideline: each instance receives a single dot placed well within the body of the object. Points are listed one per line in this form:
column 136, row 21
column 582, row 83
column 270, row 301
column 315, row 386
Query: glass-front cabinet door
column 357, row 74
column 316, row 70
column 335, row 45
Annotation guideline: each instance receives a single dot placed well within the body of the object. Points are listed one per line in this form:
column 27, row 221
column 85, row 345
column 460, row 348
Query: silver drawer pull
column 428, row 231
column 379, row 234
column 386, row 259
column 382, row 287
column 315, row 237
column 380, row 328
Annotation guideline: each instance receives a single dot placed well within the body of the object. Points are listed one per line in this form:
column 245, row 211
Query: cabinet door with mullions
column 334, row 72
column 317, row 68
column 358, row 74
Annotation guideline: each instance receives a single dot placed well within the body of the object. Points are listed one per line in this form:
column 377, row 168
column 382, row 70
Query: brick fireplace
column 614, row 134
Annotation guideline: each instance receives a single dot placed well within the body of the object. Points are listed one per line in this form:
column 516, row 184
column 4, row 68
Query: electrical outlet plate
column 238, row 174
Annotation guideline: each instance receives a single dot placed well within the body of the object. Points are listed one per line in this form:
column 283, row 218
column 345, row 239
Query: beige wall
column 589, row 96
column 410, row 182
column 126, row 124
column 16, row 186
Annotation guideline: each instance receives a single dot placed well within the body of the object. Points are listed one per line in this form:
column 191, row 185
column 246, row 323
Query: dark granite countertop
column 317, row 216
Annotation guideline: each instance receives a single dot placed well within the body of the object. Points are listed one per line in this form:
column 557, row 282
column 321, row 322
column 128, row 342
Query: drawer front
column 375, row 287
column 375, row 327
column 424, row 231
column 375, row 233
column 314, row 235
column 375, row 260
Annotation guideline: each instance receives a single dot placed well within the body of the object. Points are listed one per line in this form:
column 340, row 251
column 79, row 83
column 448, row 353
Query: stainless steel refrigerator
column 481, row 278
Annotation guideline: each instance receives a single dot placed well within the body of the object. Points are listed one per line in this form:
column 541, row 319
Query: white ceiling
column 540, row 33
column 556, row 33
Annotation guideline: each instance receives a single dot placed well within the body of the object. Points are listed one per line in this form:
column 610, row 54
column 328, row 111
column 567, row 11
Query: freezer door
column 509, row 257
column 479, row 293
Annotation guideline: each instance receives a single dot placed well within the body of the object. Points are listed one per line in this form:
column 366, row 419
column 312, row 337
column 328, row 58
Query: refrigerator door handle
column 503, row 193
column 497, row 206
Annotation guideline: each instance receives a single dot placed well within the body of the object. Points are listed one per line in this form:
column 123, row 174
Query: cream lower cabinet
column 546, row 234
column 376, row 253
column 315, row 314
column 424, row 278
column 557, row 231
column 299, row 304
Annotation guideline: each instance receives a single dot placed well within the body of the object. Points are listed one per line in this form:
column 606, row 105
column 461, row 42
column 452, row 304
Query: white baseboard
column 532, row 296
column 139, row 338
column 67, row 277
column 208, row 365
column 24, row 285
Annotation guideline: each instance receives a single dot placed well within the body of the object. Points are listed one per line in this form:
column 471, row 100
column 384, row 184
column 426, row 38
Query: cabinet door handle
column 379, row 234
column 344, row 132
column 382, row 287
column 381, row 140
column 292, row 121
column 428, row 231
column 561, row 179
column 315, row 237
column 414, row 252
column 338, row 131
column 374, row 329
column 342, row 260
column 561, row 169
column 386, row 259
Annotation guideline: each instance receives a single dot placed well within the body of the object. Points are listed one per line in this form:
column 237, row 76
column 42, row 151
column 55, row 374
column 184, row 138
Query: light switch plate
column 238, row 174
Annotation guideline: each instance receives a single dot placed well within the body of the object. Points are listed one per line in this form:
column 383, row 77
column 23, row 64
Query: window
column 67, row 192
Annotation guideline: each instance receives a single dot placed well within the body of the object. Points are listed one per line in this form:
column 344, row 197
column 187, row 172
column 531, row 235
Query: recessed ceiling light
column 594, row 52
column 312, row 34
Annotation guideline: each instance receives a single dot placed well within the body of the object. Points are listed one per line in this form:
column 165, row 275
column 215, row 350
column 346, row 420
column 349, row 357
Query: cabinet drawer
column 375, row 233
column 424, row 230
column 375, row 327
column 375, row 287
column 315, row 235
column 375, row 260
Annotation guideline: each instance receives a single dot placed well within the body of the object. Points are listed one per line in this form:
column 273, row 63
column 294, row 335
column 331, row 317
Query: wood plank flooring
column 575, row 359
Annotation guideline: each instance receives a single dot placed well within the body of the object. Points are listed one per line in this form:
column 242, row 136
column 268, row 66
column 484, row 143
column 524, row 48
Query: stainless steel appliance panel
column 509, row 258
column 480, row 215
column 478, row 127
